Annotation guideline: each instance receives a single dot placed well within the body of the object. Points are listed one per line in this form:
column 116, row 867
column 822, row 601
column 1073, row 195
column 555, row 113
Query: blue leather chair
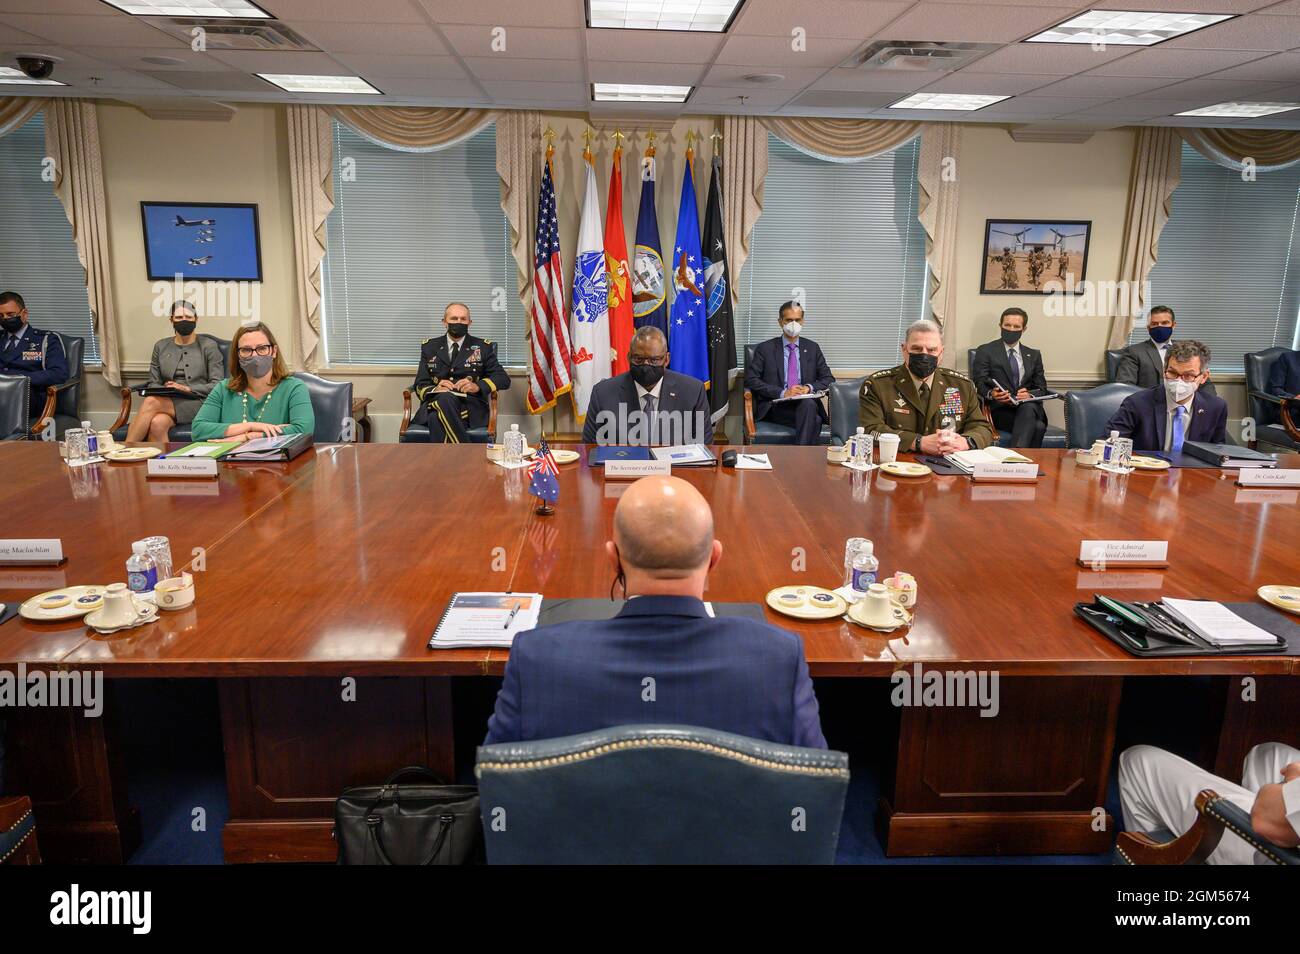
column 15, row 419
column 1052, row 437
column 180, row 433
column 765, row 432
column 62, row 401
column 408, row 433
column 331, row 401
column 1216, row 818
column 1112, row 363
column 18, row 832
column 648, row 794
column 1088, row 412
column 844, row 400
column 1264, row 407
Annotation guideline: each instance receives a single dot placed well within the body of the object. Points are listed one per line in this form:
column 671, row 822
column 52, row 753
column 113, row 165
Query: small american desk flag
column 544, row 475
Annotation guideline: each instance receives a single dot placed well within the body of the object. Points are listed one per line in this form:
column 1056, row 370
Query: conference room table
column 319, row 582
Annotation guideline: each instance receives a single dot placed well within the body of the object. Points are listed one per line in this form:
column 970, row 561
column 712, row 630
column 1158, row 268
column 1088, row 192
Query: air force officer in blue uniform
column 663, row 659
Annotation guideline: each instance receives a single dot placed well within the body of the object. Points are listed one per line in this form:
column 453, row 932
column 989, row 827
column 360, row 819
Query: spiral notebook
column 485, row 619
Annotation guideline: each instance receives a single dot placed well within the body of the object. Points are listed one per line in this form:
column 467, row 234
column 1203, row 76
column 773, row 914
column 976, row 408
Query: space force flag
column 717, row 294
column 648, row 299
column 589, row 317
column 687, row 341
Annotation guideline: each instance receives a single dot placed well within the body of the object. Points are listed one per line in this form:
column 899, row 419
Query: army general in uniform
column 457, row 376
column 914, row 399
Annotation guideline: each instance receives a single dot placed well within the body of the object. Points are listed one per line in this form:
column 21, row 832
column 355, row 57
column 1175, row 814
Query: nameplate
column 31, row 552
column 179, row 487
column 181, row 467
column 632, row 469
column 1004, row 490
column 1104, row 554
column 1266, row 495
column 1267, row 477
column 1128, row 580
column 1009, row 473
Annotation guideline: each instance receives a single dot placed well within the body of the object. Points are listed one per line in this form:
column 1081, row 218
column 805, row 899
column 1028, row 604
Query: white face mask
column 792, row 328
column 1179, row 390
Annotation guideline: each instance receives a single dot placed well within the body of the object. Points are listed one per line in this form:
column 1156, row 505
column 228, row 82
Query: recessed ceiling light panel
column 1241, row 110
column 10, row 76
column 297, row 83
column 962, row 101
column 638, row 93
column 190, row 8
column 1127, row 27
column 706, row 16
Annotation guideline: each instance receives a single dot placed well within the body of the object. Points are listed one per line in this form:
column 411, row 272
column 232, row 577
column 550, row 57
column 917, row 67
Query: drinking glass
column 160, row 549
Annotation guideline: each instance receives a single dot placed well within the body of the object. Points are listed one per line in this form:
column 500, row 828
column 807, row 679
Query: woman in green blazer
column 259, row 399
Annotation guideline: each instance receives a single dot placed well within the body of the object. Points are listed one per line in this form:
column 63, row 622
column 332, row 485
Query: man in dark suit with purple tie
column 1164, row 418
column 664, row 658
column 786, row 367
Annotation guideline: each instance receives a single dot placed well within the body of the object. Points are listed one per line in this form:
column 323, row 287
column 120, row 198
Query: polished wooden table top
column 341, row 562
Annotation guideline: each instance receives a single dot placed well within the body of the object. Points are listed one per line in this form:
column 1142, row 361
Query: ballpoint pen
column 511, row 618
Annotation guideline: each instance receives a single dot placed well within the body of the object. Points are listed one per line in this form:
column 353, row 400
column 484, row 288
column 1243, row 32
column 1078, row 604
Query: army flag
column 548, row 342
column 717, row 294
column 589, row 315
column 618, row 271
column 648, row 298
column 687, row 340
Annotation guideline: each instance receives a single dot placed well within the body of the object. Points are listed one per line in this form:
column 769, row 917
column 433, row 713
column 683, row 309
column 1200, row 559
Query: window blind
column 38, row 258
column 409, row 233
column 1229, row 260
column 847, row 234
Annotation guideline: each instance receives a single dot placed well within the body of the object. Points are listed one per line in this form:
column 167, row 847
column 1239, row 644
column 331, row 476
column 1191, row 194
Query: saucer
column 127, row 454
column 565, row 456
column 1149, row 463
column 1283, row 597
column 862, row 468
column 148, row 613
column 902, row 616
column 905, row 468
column 807, row 602
column 75, row 606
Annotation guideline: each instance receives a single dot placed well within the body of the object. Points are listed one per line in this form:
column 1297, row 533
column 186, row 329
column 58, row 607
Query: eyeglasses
column 261, row 350
column 656, row 361
column 1190, row 377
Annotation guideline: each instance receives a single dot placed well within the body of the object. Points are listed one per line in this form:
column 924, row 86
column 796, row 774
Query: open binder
column 282, row 448
column 1147, row 629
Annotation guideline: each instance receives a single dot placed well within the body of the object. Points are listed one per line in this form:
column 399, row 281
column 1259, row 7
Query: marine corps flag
column 617, row 268
column 589, row 316
column 717, row 292
column 688, row 351
column 648, row 299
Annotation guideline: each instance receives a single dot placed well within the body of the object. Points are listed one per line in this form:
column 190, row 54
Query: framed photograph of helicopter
column 1034, row 256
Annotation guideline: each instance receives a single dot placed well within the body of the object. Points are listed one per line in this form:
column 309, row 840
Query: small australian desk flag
column 544, row 475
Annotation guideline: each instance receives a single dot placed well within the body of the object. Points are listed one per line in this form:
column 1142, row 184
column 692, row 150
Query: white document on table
column 801, row 397
column 486, row 619
column 752, row 462
column 1217, row 624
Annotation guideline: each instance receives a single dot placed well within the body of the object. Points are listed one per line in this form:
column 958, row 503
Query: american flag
column 548, row 368
column 543, row 475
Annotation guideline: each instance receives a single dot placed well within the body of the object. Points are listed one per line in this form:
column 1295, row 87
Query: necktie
column 648, row 405
column 925, row 395
column 1013, row 360
column 792, row 366
column 455, row 350
column 1176, row 445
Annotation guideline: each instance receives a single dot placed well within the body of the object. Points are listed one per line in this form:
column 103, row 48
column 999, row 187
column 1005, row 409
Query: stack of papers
column 486, row 619
column 685, row 455
column 752, row 462
column 1216, row 624
column 966, row 460
column 205, row 449
column 801, row 397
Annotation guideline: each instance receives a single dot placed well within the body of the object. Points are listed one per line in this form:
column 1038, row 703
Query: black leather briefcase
column 428, row 823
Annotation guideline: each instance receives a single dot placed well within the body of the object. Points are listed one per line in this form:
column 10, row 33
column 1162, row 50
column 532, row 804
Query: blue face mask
column 1161, row 335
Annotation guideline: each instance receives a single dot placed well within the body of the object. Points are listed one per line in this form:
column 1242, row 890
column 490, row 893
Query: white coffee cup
column 887, row 445
column 878, row 609
column 120, row 608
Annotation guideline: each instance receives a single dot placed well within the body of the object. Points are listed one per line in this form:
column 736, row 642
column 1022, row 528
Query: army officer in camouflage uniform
column 455, row 380
column 914, row 399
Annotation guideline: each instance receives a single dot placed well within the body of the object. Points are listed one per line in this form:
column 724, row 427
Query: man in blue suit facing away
column 663, row 659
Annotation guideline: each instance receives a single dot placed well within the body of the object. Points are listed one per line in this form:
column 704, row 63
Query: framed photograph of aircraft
column 209, row 242
column 1034, row 256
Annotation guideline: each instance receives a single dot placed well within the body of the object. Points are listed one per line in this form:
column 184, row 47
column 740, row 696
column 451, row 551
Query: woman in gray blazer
column 185, row 362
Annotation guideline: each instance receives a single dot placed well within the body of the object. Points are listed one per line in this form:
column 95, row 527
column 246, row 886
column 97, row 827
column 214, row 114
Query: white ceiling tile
column 390, row 39
column 724, row 74
column 851, row 100
column 1111, row 87
column 1175, row 64
column 1185, row 6
column 1282, row 67
column 534, row 92
column 430, row 67
column 507, row 13
column 119, row 30
column 884, row 81
column 345, row 11
column 84, row 80
column 502, row 68
column 1213, row 90
column 658, row 74
column 1055, row 58
column 429, row 90
column 228, row 81
column 1244, row 33
column 831, row 18
column 652, row 46
column 528, row 42
column 132, row 57
column 1290, row 8
column 299, row 64
column 732, row 96
column 993, row 84
column 772, row 52
column 9, row 35
column 975, row 22
column 90, row 8
column 1042, row 105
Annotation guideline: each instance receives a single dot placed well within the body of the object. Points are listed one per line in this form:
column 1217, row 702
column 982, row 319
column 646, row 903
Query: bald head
column 663, row 527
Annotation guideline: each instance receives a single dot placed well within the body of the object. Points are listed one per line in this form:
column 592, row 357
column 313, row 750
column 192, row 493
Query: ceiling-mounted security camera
column 37, row 66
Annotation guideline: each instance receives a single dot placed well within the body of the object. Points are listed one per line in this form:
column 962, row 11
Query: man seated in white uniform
column 1157, row 789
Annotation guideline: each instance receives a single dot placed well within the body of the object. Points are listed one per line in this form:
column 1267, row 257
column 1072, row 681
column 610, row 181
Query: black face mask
column 922, row 365
column 185, row 327
column 647, row 375
column 11, row 325
column 1010, row 337
column 457, row 329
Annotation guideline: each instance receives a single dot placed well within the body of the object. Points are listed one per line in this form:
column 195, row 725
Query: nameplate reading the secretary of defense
column 1102, row 553
column 632, row 469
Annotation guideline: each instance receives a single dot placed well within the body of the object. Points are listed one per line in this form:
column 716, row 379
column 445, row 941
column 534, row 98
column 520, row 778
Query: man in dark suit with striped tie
column 665, row 658
column 788, row 366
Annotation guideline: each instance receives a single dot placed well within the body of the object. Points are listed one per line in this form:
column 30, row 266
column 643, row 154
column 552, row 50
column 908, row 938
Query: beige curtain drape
column 843, row 139
column 519, row 136
column 1271, row 149
column 413, row 128
column 311, row 184
column 1157, row 167
column 937, row 210
column 72, row 141
column 744, row 167
column 16, row 110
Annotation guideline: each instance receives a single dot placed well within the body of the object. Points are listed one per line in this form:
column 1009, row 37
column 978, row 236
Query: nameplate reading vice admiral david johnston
column 1104, row 554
